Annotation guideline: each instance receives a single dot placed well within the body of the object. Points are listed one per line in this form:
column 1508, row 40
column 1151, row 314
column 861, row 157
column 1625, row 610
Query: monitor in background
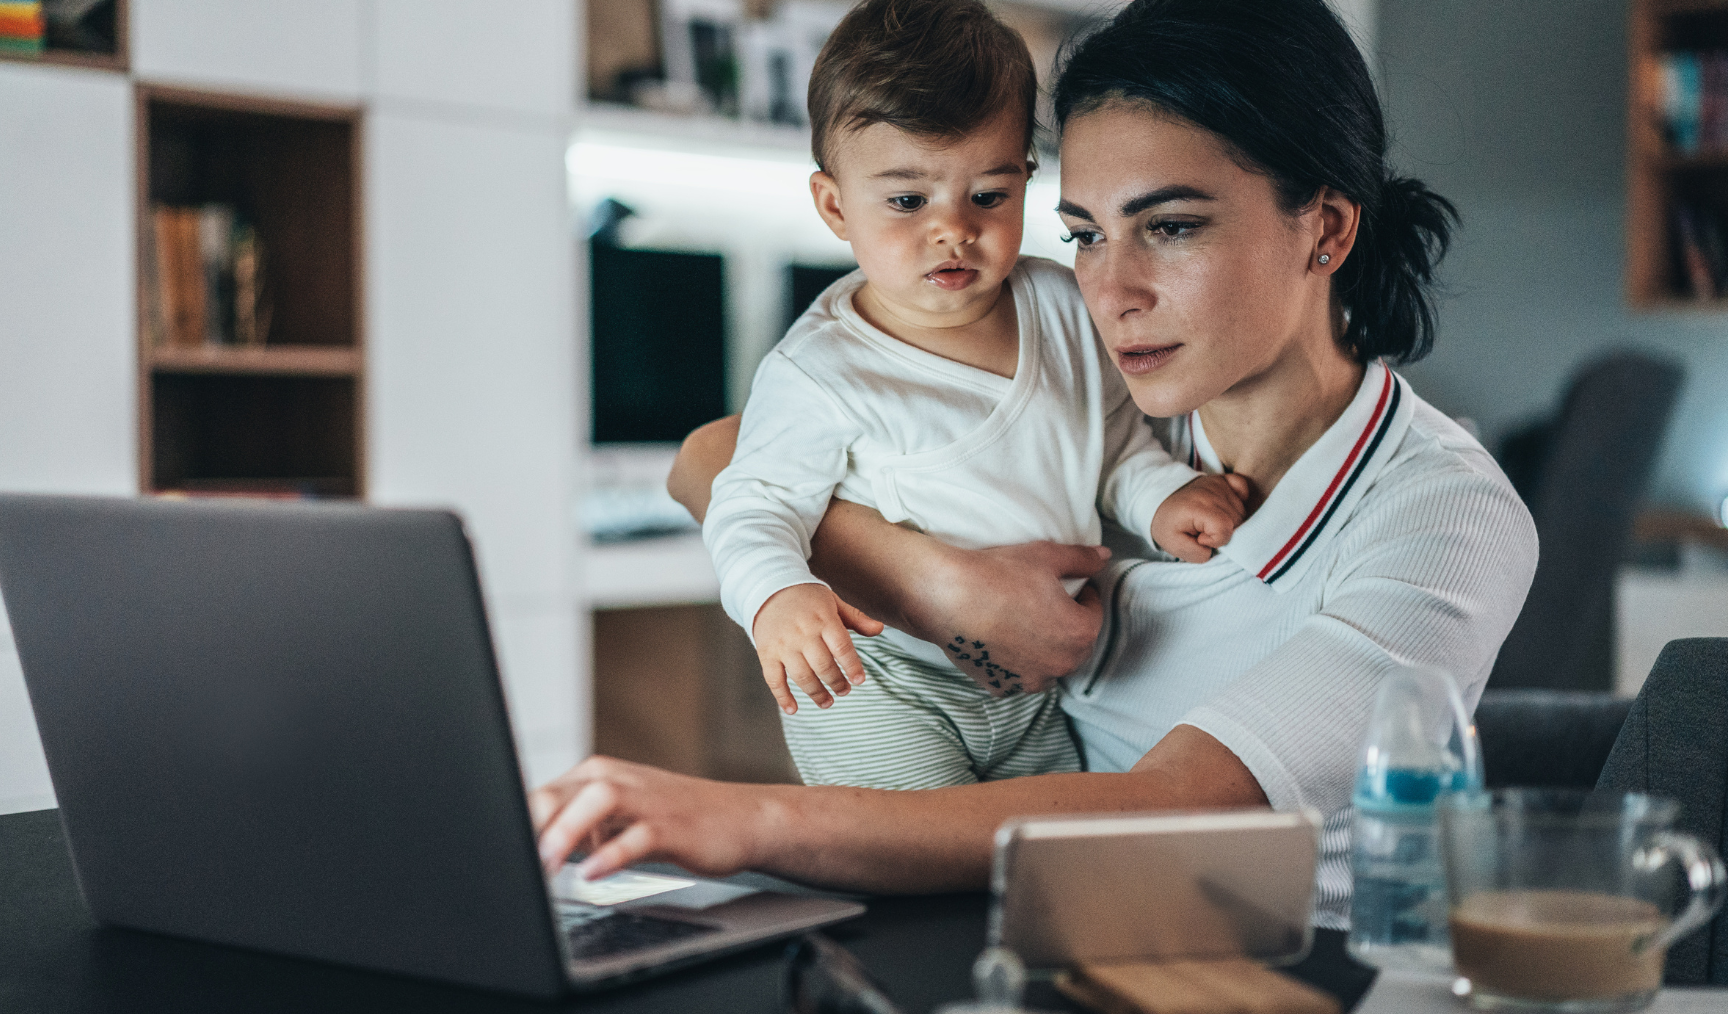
column 804, row 282
column 659, row 343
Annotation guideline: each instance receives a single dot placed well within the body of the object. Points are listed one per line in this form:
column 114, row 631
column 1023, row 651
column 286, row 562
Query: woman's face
column 1197, row 278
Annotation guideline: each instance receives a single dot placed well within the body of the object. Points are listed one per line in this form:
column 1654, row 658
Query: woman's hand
column 1009, row 604
column 626, row 813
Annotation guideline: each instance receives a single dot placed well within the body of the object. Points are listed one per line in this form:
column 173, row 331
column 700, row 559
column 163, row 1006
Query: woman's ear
column 825, row 191
column 1339, row 219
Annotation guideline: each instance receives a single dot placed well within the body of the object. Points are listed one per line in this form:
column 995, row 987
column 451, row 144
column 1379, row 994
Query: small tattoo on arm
column 967, row 652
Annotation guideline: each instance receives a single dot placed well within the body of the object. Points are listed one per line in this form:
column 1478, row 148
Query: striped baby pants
column 911, row 725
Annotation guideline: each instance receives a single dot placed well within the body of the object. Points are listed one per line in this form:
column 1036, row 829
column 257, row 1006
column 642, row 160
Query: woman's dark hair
column 1283, row 84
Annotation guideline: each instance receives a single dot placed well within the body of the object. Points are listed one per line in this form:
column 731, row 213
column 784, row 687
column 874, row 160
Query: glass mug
column 1567, row 901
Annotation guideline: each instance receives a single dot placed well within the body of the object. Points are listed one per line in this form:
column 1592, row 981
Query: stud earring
column 1325, row 258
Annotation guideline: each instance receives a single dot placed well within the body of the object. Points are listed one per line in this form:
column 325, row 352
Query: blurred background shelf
column 668, row 570
column 249, row 379
column 694, row 130
column 91, row 34
column 278, row 360
column 1677, row 160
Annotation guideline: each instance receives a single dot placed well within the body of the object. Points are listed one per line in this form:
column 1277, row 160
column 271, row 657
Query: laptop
column 280, row 726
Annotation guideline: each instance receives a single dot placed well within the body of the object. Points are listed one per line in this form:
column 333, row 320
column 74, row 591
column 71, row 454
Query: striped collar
column 1318, row 493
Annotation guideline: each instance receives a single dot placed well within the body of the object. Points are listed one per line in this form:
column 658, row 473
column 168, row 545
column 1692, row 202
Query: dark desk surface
column 54, row 958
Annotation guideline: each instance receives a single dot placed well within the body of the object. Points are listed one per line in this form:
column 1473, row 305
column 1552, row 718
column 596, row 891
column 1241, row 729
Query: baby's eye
column 1084, row 237
column 989, row 199
column 907, row 202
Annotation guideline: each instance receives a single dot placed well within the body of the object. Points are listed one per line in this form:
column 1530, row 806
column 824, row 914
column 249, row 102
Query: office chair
column 1547, row 738
column 1675, row 744
column 1582, row 478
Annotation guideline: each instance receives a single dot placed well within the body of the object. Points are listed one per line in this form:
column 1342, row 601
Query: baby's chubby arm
column 765, row 506
column 1186, row 514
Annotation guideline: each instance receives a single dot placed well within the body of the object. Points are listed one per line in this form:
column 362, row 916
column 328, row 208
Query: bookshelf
column 274, row 405
column 1664, row 181
column 635, row 86
column 100, row 41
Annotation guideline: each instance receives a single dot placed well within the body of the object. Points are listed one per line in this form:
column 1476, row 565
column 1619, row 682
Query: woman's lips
column 952, row 279
column 1138, row 359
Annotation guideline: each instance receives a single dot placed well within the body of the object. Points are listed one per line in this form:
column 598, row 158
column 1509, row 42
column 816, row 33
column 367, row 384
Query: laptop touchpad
column 629, row 886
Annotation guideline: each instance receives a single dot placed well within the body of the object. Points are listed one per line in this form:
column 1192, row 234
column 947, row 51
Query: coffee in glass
column 1567, row 901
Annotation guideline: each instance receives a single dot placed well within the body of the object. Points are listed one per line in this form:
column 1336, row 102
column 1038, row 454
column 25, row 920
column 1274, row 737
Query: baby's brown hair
column 936, row 69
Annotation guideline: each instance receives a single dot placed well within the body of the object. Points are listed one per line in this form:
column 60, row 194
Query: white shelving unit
column 1655, row 607
column 473, row 347
column 672, row 570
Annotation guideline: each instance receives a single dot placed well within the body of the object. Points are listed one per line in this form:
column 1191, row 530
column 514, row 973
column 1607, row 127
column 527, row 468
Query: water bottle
column 1421, row 745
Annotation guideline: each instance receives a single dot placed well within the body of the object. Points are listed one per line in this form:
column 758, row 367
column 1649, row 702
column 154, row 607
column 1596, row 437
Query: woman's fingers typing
column 627, row 813
column 577, row 816
column 634, row 845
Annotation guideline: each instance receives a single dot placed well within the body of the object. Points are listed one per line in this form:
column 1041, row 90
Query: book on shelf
column 204, row 279
column 732, row 58
column 1701, row 240
column 1690, row 100
column 22, row 27
column 82, row 26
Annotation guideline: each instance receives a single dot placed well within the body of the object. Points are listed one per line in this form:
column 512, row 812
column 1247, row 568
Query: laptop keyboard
column 605, row 935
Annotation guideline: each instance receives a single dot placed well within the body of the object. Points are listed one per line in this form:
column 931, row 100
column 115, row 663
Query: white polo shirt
column 1394, row 540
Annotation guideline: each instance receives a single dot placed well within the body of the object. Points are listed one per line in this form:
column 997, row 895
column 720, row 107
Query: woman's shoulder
column 1441, row 481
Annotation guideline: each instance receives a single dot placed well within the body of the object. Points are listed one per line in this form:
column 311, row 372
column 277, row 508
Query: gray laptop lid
column 280, row 726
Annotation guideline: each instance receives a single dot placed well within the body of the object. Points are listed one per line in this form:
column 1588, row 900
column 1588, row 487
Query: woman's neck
column 1262, row 425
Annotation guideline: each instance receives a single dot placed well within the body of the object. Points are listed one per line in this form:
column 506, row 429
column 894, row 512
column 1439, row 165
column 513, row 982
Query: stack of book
column 204, row 279
column 21, row 27
column 1692, row 100
column 1702, row 245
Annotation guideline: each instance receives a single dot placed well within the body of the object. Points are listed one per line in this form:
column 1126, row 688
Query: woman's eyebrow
column 1073, row 210
column 1163, row 195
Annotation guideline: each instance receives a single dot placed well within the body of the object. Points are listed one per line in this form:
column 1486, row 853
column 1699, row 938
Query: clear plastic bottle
column 1420, row 746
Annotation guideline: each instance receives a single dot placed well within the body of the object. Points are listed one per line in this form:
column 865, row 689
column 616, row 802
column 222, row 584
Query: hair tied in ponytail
column 1390, row 294
column 1283, row 84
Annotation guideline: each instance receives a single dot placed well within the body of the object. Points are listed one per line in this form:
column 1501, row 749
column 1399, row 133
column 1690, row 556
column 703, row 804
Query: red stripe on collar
column 1343, row 470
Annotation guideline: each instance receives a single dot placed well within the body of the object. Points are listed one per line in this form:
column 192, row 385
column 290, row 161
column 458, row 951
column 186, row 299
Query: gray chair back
column 1547, row 738
column 1675, row 744
column 1583, row 490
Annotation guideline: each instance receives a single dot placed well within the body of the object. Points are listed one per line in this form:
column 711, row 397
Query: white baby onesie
column 840, row 408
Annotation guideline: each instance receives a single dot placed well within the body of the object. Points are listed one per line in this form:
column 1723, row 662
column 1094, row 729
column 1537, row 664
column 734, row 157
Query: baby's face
column 935, row 228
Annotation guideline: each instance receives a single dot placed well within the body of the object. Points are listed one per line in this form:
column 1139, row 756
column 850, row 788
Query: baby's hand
column 1200, row 516
column 801, row 637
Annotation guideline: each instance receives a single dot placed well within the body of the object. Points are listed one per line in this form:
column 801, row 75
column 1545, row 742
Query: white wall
column 1363, row 18
column 472, row 341
column 66, row 323
column 1516, row 110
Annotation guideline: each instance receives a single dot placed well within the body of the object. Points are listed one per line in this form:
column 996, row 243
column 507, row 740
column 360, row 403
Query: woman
column 1249, row 261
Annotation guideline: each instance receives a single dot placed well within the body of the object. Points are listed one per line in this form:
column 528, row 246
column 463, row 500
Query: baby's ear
column 825, row 191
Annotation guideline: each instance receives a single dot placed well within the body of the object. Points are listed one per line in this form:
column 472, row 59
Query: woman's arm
column 854, row 839
column 1010, row 598
column 704, row 454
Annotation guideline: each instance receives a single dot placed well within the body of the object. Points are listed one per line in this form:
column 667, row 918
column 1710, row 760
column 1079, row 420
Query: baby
column 951, row 385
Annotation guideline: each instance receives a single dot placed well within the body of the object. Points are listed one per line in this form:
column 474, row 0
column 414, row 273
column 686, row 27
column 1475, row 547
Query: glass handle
column 1706, row 881
column 999, row 978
